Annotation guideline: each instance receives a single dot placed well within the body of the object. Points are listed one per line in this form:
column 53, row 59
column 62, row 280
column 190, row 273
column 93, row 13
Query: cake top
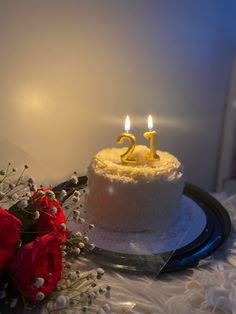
column 107, row 163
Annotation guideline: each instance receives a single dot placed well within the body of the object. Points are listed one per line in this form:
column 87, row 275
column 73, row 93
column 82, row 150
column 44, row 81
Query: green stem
column 15, row 191
column 22, row 172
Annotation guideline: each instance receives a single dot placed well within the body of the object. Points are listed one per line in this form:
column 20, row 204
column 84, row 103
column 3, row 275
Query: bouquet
column 37, row 247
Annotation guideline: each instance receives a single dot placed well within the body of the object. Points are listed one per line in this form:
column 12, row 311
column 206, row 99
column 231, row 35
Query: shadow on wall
column 19, row 158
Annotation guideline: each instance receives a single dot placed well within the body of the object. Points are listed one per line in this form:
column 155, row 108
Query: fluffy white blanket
column 209, row 288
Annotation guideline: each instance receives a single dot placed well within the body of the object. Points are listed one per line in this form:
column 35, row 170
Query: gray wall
column 71, row 70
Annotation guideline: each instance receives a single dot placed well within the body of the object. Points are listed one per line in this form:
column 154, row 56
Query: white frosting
column 133, row 198
column 107, row 163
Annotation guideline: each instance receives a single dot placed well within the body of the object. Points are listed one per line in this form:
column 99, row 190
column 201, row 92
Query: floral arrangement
column 37, row 246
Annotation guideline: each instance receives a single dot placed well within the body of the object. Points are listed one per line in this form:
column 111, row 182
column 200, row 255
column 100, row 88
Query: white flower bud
column 86, row 239
column 41, row 193
column 77, row 251
column 91, row 246
column 92, row 275
column 63, row 193
column 31, row 180
column 14, row 197
column 78, row 234
column 81, row 245
column 39, row 282
column 74, row 179
column 61, row 301
column 63, row 226
column 50, row 195
column 22, row 204
column 36, row 215
column 73, row 277
column 102, row 290
column 76, row 193
column 54, row 210
column 76, row 213
column 40, row 296
column 13, row 303
column 81, row 220
column 75, row 199
column 100, row 271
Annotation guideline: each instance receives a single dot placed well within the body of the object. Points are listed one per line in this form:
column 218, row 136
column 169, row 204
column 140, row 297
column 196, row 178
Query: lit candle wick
column 127, row 124
column 152, row 137
column 150, row 123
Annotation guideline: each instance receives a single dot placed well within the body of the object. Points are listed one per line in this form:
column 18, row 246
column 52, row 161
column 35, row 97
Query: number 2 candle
column 125, row 158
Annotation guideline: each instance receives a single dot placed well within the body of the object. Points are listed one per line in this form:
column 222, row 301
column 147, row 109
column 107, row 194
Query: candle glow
column 150, row 123
column 127, row 124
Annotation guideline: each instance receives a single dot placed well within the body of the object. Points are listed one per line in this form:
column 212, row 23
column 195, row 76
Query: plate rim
column 184, row 257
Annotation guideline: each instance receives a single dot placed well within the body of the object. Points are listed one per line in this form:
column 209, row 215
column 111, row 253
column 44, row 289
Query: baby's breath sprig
column 79, row 291
column 13, row 186
column 77, row 242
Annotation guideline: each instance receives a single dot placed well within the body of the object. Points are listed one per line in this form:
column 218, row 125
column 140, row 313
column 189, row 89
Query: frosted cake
column 134, row 198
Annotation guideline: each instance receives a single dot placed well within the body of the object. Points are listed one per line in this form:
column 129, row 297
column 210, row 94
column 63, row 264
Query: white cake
column 134, row 198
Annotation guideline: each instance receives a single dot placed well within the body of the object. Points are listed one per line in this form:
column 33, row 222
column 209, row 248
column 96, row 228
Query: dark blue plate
column 211, row 238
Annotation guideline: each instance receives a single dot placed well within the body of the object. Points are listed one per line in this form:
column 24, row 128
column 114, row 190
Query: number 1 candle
column 125, row 158
column 152, row 137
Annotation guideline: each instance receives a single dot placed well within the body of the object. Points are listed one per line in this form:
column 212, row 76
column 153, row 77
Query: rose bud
column 52, row 217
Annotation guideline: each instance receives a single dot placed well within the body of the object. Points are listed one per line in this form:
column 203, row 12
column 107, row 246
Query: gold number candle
column 125, row 158
column 152, row 137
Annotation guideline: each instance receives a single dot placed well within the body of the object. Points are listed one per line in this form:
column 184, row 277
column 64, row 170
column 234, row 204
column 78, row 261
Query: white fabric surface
column 209, row 288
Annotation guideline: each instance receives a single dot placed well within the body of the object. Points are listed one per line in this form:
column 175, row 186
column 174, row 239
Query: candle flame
column 127, row 124
column 150, row 123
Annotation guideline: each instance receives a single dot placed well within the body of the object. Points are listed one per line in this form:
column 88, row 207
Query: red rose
column 37, row 266
column 52, row 218
column 9, row 237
